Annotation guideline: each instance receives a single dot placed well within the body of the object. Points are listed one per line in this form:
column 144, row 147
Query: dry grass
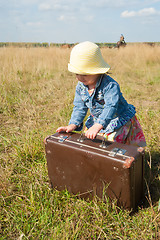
column 36, row 95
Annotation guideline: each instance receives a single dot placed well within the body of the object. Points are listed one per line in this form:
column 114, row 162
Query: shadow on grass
column 152, row 178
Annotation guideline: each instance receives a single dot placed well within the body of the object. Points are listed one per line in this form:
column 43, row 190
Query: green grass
column 36, row 95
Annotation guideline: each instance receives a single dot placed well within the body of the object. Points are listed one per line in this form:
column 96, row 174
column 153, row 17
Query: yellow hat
column 86, row 58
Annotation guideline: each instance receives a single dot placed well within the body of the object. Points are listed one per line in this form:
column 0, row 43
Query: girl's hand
column 67, row 129
column 92, row 131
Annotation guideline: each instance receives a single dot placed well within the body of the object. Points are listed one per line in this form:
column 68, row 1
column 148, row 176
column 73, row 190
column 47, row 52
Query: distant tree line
column 46, row 45
column 109, row 45
column 31, row 44
column 23, row 44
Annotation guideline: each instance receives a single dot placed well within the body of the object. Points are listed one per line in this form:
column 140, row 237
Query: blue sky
column 72, row 21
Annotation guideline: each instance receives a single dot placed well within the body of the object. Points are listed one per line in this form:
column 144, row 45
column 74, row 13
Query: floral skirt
column 130, row 133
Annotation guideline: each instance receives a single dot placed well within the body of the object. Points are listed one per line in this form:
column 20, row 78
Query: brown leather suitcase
column 87, row 167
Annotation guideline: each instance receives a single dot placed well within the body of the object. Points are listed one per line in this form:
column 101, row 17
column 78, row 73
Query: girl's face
column 88, row 80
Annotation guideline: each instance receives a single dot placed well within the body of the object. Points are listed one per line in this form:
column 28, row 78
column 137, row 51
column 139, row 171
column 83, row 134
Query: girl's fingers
column 60, row 129
column 67, row 129
column 90, row 135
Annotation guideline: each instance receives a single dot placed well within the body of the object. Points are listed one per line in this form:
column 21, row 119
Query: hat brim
column 88, row 71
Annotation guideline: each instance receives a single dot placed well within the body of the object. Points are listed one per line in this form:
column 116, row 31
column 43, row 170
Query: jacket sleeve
column 111, row 99
column 79, row 110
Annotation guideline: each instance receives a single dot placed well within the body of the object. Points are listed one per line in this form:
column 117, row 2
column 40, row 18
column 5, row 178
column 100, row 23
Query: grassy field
column 36, row 95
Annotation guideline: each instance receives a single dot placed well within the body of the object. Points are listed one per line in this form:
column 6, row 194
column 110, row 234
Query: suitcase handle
column 102, row 145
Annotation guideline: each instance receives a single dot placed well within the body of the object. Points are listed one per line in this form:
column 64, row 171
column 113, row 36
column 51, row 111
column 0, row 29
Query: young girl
column 110, row 114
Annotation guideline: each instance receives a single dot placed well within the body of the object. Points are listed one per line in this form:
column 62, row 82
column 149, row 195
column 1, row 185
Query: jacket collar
column 99, row 81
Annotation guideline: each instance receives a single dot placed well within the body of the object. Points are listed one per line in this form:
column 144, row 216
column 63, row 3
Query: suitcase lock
column 116, row 151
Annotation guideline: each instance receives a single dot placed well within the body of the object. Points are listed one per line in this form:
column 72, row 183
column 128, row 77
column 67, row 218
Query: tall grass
column 36, row 95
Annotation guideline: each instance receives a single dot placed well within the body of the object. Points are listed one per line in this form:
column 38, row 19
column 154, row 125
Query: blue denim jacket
column 107, row 106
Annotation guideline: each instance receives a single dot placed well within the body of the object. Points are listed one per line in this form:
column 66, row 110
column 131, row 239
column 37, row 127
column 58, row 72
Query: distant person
column 110, row 114
column 121, row 42
column 122, row 38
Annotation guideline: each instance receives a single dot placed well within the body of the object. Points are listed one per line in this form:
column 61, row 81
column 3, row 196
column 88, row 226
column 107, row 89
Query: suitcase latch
column 62, row 138
column 116, row 151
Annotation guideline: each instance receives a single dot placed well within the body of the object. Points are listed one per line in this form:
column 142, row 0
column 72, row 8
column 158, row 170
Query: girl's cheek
column 77, row 77
column 80, row 79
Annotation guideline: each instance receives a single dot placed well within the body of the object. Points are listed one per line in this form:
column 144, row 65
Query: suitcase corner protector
column 45, row 140
column 128, row 162
column 141, row 150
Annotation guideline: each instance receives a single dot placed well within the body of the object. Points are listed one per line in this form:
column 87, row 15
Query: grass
column 36, row 95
